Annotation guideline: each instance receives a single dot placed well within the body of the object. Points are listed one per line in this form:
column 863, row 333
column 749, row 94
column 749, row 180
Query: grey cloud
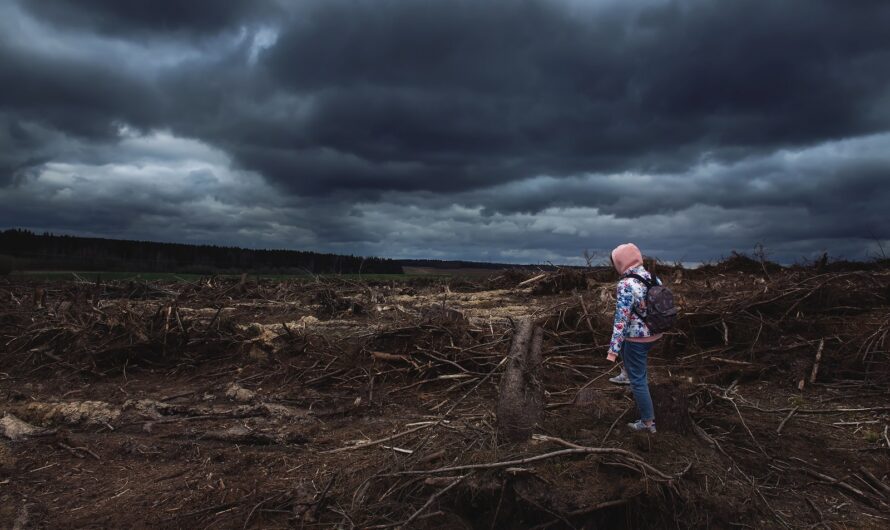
column 398, row 127
column 469, row 94
column 826, row 179
column 152, row 16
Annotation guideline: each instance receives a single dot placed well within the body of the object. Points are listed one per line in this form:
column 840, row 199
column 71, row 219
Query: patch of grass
column 105, row 275
column 871, row 436
column 797, row 401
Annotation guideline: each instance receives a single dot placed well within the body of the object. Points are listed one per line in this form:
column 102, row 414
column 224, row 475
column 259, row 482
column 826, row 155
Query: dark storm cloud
column 513, row 116
column 832, row 177
column 542, row 88
column 79, row 97
column 149, row 16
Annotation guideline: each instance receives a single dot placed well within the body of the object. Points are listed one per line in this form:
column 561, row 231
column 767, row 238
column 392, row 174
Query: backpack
column 661, row 313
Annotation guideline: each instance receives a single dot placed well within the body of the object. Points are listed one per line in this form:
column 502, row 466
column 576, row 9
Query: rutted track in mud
column 232, row 404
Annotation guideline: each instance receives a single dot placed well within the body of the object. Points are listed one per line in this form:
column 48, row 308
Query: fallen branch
column 730, row 361
column 597, row 507
column 784, row 421
column 839, row 483
column 432, row 499
column 875, row 480
column 477, row 385
column 632, row 456
column 243, row 435
column 817, row 411
column 73, row 451
column 531, row 280
column 379, row 441
column 384, row 356
column 571, row 450
column 614, row 423
column 817, row 361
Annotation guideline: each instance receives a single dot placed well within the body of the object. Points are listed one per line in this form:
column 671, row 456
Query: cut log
column 531, row 280
column 815, row 371
column 521, row 393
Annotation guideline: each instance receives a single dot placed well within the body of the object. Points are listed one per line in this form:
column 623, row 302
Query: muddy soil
column 351, row 404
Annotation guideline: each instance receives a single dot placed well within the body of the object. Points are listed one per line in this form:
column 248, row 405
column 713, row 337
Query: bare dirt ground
column 332, row 403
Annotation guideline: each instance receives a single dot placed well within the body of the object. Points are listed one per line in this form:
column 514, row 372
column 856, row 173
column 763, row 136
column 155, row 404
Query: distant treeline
column 439, row 264
column 29, row 251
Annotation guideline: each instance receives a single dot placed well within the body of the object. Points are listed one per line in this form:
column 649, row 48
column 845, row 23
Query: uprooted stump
column 521, row 393
column 15, row 429
column 671, row 407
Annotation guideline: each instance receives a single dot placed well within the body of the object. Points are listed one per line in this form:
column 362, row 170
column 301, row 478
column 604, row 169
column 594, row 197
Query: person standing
column 631, row 338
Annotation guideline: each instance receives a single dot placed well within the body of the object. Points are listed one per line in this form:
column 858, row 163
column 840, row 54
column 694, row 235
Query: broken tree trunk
column 521, row 394
column 671, row 407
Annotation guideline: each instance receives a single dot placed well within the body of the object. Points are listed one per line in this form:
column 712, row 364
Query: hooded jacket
column 631, row 293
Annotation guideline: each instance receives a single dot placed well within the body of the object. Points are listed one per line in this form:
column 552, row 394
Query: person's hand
column 612, row 356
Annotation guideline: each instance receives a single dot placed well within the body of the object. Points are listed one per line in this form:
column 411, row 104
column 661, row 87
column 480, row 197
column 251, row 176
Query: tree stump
column 671, row 407
column 521, row 393
column 39, row 297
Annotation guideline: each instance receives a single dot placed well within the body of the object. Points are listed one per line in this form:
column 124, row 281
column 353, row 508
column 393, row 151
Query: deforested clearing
column 233, row 403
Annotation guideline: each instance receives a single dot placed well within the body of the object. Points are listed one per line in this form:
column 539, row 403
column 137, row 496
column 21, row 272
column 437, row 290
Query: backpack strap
column 646, row 282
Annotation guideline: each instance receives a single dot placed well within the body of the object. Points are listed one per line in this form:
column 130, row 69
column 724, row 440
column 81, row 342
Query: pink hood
column 625, row 257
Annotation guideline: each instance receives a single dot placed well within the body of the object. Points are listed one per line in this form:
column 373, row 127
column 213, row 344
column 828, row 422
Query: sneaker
column 620, row 379
column 639, row 426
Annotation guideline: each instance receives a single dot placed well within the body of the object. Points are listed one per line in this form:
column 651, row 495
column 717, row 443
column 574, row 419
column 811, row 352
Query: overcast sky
column 495, row 130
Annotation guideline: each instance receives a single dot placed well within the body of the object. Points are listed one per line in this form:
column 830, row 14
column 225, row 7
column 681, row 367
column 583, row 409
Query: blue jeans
column 634, row 356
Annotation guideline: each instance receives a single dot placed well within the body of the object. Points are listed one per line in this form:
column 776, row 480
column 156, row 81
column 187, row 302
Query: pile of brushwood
column 446, row 402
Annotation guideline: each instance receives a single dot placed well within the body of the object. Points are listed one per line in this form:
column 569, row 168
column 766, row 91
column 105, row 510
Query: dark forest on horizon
column 26, row 250
column 31, row 251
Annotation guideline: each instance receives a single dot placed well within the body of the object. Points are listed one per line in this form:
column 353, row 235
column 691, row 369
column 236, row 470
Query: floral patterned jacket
column 631, row 293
